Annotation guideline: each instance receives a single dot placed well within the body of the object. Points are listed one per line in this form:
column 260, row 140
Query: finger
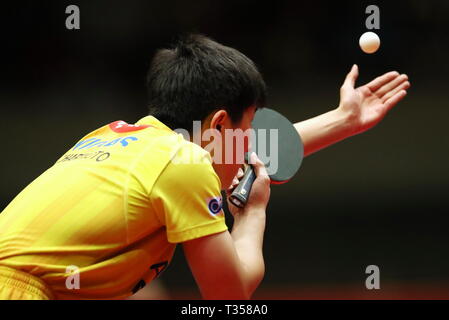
column 380, row 81
column 351, row 77
column 403, row 86
column 390, row 103
column 391, row 85
column 230, row 190
column 240, row 173
column 259, row 167
column 236, row 179
column 234, row 183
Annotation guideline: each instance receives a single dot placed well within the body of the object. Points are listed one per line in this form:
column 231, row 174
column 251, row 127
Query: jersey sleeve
column 187, row 196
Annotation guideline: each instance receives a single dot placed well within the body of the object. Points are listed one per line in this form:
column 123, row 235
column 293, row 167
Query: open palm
column 368, row 104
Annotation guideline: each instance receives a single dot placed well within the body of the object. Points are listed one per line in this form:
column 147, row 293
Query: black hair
column 197, row 76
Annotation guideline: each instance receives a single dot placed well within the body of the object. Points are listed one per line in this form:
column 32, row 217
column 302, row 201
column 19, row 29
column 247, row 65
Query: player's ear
column 219, row 119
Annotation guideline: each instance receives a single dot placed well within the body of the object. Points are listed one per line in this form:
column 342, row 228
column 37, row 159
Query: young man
column 104, row 220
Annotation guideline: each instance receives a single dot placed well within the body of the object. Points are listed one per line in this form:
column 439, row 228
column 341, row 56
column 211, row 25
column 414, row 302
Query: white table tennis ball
column 369, row 42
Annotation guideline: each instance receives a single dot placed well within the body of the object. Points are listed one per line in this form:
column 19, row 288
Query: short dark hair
column 197, row 76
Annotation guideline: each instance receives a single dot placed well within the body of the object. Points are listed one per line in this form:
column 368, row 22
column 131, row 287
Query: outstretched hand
column 368, row 104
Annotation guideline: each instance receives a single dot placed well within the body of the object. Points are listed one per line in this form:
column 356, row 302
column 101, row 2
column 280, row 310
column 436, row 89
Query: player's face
column 234, row 147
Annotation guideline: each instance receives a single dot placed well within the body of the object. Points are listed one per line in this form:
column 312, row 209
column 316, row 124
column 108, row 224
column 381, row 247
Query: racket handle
column 240, row 195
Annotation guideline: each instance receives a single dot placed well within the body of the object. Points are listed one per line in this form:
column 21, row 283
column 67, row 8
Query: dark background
column 379, row 198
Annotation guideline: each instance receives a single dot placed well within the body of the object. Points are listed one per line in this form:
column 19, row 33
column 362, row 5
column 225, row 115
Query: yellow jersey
column 111, row 211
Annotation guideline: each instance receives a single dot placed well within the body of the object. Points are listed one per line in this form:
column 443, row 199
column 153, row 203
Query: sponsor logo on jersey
column 97, row 142
column 121, row 126
column 215, row 205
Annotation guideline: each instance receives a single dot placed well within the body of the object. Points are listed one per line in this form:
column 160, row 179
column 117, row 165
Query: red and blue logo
column 121, row 126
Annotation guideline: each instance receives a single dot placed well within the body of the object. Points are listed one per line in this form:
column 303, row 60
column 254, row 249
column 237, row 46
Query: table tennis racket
column 277, row 143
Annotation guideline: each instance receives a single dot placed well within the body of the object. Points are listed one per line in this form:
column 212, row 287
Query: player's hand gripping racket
column 277, row 143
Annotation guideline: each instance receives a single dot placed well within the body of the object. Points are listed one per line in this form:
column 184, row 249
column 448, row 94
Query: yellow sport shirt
column 111, row 211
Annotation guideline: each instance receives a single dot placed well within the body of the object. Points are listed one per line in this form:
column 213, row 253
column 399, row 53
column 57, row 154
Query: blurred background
column 380, row 198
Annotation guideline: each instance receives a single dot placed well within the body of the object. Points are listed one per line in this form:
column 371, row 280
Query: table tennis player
column 104, row 219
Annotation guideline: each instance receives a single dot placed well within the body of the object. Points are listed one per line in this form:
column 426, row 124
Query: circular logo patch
column 215, row 205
